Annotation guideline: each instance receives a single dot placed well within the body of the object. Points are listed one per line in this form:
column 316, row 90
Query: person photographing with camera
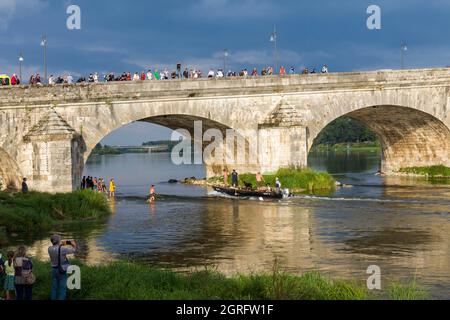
column 58, row 258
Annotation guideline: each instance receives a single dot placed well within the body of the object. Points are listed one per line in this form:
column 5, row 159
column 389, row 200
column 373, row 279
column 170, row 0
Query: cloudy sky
column 135, row 35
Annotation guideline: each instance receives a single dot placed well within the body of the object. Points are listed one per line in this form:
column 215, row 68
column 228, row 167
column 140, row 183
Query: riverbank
column 36, row 212
column 367, row 146
column 132, row 281
column 296, row 180
column 439, row 171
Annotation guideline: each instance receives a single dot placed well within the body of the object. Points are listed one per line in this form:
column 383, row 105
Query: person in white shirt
column 96, row 77
column 211, row 73
column 219, row 73
column 149, row 75
column 136, row 77
column 69, row 79
column 325, row 69
column 51, row 80
column 278, row 184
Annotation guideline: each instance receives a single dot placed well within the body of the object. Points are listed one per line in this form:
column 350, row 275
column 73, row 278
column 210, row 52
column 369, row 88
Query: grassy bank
column 431, row 171
column 131, row 281
column 368, row 146
column 294, row 179
column 36, row 212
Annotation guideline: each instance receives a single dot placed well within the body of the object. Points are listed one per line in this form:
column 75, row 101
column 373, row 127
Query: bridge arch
column 409, row 137
column 194, row 124
column 10, row 173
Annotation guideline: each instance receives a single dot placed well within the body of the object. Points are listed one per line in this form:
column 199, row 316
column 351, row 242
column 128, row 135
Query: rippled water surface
column 399, row 224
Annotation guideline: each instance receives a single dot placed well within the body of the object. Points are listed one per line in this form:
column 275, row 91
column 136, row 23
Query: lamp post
column 44, row 45
column 403, row 49
column 20, row 66
column 225, row 56
column 273, row 38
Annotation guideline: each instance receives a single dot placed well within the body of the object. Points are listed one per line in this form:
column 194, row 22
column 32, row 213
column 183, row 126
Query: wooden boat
column 248, row 193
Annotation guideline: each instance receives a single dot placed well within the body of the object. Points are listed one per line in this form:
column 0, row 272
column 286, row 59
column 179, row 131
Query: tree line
column 345, row 129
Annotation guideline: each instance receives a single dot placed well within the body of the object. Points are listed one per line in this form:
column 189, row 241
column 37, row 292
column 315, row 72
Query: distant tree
column 345, row 129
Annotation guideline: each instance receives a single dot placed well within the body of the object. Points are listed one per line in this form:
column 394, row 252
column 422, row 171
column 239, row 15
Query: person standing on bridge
column 149, row 74
column 179, row 75
column 156, row 74
column 112, row 188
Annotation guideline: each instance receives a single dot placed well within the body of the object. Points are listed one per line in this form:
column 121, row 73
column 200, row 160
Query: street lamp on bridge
column 225, row 56
column 44, row 45
column 20, row 66
column 274, row 38
column 403, row 49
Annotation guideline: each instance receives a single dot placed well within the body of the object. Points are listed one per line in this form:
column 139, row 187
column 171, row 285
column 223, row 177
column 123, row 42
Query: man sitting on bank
column 58, row 258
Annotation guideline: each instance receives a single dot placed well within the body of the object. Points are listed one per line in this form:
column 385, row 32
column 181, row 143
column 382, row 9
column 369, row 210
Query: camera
column 67, row 243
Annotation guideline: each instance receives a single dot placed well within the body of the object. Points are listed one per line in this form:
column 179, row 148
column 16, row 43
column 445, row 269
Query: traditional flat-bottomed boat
column 237, row 192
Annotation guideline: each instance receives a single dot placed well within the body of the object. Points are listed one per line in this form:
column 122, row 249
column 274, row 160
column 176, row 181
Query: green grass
column 294, row 179
column 409, row 291
column 132, row 281
column 36, row 212
column 431, row 171
column 367, row 146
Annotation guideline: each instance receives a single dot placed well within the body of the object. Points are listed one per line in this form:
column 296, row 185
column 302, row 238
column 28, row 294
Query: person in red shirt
column 13, row 80
column 282, row 71
column 142, row 75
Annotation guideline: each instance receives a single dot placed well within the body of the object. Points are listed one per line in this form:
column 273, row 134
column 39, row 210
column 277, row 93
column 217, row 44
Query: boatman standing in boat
column 278, row 185
column 234, row 179
column 259, row 180
column 225, row 177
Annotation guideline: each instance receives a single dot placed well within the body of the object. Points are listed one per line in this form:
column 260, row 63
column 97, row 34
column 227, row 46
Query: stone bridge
column 48, row 132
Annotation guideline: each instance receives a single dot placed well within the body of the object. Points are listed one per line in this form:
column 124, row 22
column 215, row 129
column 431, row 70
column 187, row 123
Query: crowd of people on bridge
column 156, row 74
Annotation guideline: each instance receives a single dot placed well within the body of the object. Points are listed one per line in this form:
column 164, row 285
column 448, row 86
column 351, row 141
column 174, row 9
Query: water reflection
column 403, row 228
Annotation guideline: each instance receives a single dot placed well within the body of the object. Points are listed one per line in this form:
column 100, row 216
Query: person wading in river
column 151, row 194
column 112, row 188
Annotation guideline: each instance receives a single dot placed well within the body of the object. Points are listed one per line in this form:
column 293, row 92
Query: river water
column 401, row 225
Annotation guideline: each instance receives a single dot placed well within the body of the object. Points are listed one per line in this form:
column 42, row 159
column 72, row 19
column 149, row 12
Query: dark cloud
column 133, row 35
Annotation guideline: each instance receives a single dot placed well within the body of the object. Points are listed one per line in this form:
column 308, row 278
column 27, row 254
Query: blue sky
column 135, row 35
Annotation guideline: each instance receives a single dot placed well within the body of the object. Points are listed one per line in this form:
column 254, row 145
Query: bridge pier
column 52, row 155
column 271, row 148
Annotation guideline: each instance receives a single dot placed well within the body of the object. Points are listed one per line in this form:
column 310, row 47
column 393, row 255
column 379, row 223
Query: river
column 401, row 225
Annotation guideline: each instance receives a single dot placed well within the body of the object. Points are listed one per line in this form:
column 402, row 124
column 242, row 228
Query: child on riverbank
column 2, row 272
column 9, row 278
